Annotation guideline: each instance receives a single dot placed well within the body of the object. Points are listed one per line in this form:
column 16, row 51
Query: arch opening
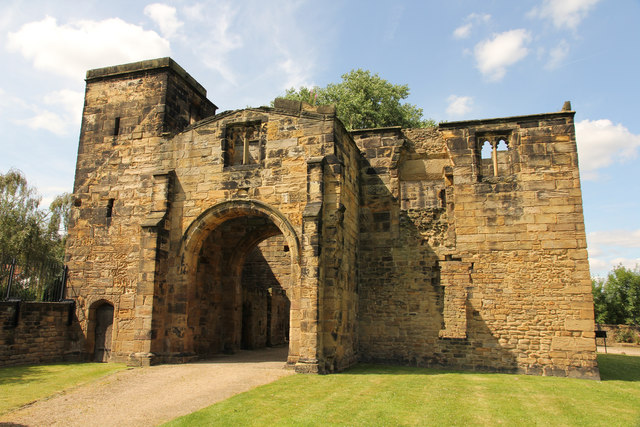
column 241, row 278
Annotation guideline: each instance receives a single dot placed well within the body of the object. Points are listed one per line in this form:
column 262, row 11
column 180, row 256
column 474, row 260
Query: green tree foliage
column 26, row 231
column 617, row 298
column 364, row 100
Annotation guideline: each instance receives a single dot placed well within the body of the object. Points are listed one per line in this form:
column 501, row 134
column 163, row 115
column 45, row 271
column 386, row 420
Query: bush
column 627, row 335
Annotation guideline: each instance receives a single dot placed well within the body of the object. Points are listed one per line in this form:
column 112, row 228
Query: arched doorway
column 103, row 332
column 241, row 264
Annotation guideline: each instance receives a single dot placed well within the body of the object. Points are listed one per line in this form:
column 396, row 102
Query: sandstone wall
column 143, row 211
column 476, row 271
column 403, row 246
column 127, row 111
column 38, row 332
column 340, row 246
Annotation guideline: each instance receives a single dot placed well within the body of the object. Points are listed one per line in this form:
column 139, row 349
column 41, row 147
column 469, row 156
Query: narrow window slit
column 109, row 211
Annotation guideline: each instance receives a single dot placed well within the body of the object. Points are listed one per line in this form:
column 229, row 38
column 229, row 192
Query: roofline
column 475, row 122
column 387, row 128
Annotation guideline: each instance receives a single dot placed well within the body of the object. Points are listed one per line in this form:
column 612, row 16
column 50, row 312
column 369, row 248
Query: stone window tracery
column 493, row 154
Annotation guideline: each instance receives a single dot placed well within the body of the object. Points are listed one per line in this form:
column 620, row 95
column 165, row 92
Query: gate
column 32, row 280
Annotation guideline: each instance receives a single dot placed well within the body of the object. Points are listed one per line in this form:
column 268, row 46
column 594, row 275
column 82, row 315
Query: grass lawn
column 24, row 384
column 382, row 395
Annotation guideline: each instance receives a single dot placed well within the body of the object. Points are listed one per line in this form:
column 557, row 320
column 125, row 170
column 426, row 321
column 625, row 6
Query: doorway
column 104, row 327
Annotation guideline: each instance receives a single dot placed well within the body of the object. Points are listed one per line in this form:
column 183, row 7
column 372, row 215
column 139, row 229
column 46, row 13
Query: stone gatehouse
column 196, row 233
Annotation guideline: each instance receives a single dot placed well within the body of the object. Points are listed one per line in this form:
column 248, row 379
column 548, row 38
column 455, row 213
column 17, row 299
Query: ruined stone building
column 195, row 233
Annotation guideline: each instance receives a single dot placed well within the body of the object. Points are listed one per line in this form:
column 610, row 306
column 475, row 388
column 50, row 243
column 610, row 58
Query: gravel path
column 629, row 351
column 151, row 396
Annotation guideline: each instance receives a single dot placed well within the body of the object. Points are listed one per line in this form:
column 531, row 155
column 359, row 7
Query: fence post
column 11, row 271
column 63, row 285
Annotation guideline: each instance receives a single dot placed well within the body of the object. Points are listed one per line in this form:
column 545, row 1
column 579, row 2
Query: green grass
column 25, row 384
column 370, row 395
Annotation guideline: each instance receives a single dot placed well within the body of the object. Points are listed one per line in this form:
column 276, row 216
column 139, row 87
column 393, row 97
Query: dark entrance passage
column 242, row 283
column 265, row 305
column 104, row 326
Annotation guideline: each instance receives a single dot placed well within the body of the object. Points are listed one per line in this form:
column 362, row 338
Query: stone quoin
column 195, row 233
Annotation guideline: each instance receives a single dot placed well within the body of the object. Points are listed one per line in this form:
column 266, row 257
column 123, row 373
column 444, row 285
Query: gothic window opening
column 487, row 150
column 242, row 144
column 494, row 155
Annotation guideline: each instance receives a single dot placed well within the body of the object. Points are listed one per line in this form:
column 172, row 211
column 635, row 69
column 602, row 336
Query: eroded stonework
column 459, row 246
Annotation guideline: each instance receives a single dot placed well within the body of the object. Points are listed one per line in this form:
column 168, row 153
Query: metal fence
column 32, row 280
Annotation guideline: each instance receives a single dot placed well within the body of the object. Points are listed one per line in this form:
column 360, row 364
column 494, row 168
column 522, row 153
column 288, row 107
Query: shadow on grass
column 29, row 373
column 613, row 367
column 617, row 367
column 380, row 369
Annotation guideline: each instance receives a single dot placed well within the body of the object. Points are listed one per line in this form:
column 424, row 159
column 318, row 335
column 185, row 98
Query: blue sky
column 461, row 59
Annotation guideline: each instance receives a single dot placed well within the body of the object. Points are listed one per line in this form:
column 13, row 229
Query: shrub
column 627, row 335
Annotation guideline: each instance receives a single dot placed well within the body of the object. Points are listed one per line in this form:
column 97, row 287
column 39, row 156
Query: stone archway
column 240, row 263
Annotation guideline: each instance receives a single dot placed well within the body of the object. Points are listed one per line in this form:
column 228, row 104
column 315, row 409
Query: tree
column 617, row 299
column 26, row 231
column 31, row 240
column 364, row 100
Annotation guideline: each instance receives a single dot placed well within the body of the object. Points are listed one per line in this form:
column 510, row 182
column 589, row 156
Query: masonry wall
column 481, row 272
column 37, row 332
column 206, row 176
column 139, row 192
column 128, row 110
column 404, row 246
column 400, row 295
column 340, row 246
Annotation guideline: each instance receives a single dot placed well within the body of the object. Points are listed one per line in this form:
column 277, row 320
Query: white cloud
column 70, row 100
column 165, row 17
column 394, row 21
column 503, row 50
column 601, row 143
column 608, row 249
column 464, row 31
column 459, row 105
column 59, row 112
column 256, row 44
column 601, row 266
column 72, row 49
column 564, row 13
column 557, row 54
column 10, row 102
column 297, row 74
column 218, row 40
column 624, row 238
column 46, row 120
